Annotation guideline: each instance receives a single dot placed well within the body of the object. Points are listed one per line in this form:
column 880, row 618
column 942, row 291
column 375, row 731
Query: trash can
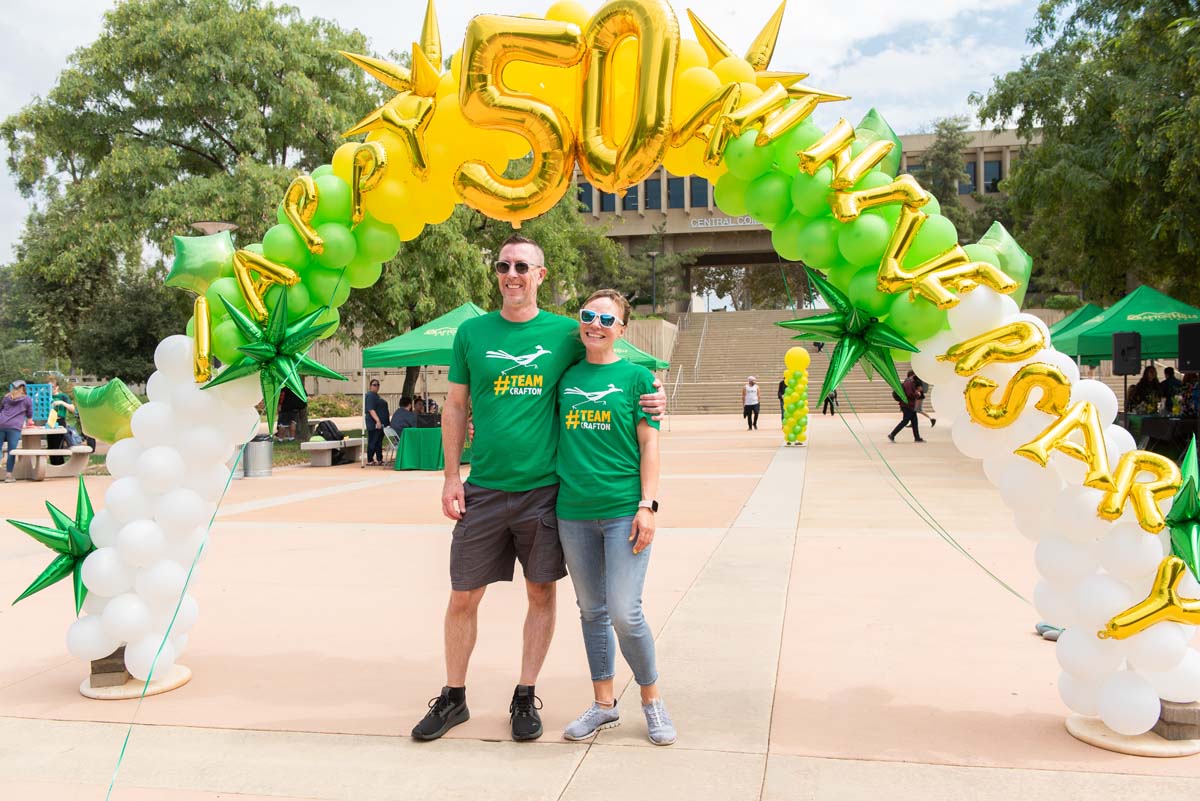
column 256, row 461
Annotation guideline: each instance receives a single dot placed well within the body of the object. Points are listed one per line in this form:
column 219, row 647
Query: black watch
column 651, row 505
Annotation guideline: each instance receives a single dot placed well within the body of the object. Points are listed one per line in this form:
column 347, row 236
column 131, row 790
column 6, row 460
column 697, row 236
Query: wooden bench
column 321, row 453
column 34, row 463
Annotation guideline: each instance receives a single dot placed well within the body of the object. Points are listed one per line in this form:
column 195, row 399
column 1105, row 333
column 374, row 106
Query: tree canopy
column 942, row 170
column 1109, row 197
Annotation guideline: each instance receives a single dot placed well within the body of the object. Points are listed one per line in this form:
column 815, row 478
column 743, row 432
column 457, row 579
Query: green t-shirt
column 63, row 415
column 599, row 461
column 513, row 370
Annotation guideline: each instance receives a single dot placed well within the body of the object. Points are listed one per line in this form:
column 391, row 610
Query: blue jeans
column 608, row 580
column 11, row 436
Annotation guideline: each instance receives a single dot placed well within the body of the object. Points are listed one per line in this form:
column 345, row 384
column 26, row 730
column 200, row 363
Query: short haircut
column 616, row 297
column 1168, row 371
column 374, row 382
column 517, row 239
column 405, row 401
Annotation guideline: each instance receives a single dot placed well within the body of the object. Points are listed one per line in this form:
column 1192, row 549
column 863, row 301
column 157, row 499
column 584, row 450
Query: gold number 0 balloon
column 491, row 43
column 607, row 164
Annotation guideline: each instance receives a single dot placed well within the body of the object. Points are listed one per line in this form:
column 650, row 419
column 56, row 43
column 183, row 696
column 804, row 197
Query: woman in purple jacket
column 16, row 411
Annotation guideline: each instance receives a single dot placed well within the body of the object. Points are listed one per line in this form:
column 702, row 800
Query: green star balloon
column 200, row 260
column 858, row 336
column 106, row 411
column 277, row 352
column 70, row 539
column 1184, row 517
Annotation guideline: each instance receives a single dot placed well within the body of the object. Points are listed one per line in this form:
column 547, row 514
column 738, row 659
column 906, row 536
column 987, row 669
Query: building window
column 915, row 168
column 629, row 202
column 608, row 201
column 653, row 194
column 991, row 176
column 585, row 196
column 968, row 187
column 699, row 192
column 674, row 192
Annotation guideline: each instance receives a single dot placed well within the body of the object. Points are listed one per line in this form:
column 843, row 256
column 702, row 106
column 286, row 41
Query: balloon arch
column 618, row 93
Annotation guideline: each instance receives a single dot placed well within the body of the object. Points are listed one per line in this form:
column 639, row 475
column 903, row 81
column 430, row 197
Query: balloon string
column 167, row 635
column 915, row 504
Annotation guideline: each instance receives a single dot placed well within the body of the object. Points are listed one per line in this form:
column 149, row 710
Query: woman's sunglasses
column 587, row 317
column 521, row 267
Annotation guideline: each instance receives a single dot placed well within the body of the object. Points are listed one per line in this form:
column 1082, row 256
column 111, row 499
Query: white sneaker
column 658, row 723
column 594, row 718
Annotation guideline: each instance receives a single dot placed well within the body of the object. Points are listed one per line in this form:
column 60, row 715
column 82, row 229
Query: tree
column 762, row 286
column 181, row 111
column 942, row 168
column 1110, row 194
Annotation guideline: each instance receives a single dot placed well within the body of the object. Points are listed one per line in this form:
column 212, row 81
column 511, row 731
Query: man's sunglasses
column 587, row 317
column 521, row 267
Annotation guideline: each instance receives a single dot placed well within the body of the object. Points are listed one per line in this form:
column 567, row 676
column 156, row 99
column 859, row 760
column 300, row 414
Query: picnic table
column 33, row 457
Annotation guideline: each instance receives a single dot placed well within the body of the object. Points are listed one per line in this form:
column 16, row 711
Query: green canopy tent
column 1077, row 317
column 432, row 343
column 632, row 353
column 1147, row 311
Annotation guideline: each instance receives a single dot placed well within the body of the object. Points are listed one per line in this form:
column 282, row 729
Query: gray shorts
column 500, row 527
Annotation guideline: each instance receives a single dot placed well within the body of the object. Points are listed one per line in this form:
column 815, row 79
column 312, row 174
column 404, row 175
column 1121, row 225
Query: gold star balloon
column 758, row 56
column 70, row 539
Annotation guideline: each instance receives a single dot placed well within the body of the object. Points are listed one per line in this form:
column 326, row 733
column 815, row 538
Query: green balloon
column 255, row 248
column 105, row 412
column 936, row 236
column 747, row 160
column 297, row 299
column 190, row 328
column 841, row 274
column 330, row 316
column 915, row 319
column 226, row 339
column 768, row 198
column 785, row 238
column 730, row 194
column 326, row 287
column 361, row 276
column 865, row 295
column 333, row 201
column 377, row 241
column 890, row 214
column 982, row 253
column 900, row 355
column 788, row 147
column 863, row 241
column 282, row 245
column 324, row 169
column 818, row 243
column 873, row 180
column 280, row 217
column 224, row 288
column 340, row 246
column 200, row 260
column 791, row 407
column 933, row 206
column 810, row 193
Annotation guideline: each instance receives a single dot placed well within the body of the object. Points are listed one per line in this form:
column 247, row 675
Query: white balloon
column 947, row 399
column 977, row 311
column 974, row 440
column 1030, row 318
column 1118, row 441
column 154, row 424
column 1157, row 649
column 1070, row 470
column 87, row 640
column 195, row 405
column 143, row 655
column 104, row 528
column 173, row 356
column 94, row 603
column 1064, row 561
column 925, row 362
column 126, row 618
column 1128, row 703
column 208, row 482
column 244, row 392
column 1081, row 653
column 1099, row 395
column 1188, row 586
column 126, row 500
column 141, row 543
column 1098, row 598
column 161, row 584
column 1063, row 362
column 160, row 469
column 1129, row 553
column 240, row 424
column 1181, row 683
column 1053, row 603
column 1079, row 694
column 184, row 552
column 184, row 619
column 180, row 511
column 1028, row 427
column 1034, row 523
column 1023, row 483
column 204, row 445
column 104, row 573
column 158, row 387
column 122, row 457
column 180, row 642
column 1076, row 515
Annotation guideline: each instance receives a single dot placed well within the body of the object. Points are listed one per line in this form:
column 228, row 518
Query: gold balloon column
column 795, row 397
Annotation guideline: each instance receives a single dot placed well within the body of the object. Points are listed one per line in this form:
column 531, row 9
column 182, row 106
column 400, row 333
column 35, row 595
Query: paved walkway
column 816, row 641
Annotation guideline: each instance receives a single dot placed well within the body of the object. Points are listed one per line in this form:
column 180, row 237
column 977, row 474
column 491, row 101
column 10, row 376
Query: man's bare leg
column 462, row 625
column 539, row 629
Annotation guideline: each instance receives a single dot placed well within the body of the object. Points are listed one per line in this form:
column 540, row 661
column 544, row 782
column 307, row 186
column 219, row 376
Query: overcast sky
column 913, row 61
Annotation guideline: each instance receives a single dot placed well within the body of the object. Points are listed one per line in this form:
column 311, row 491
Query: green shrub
column 334, row 405
column 1063, row 302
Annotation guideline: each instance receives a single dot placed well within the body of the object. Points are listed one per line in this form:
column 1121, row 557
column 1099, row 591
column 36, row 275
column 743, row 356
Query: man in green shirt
column 506, row 366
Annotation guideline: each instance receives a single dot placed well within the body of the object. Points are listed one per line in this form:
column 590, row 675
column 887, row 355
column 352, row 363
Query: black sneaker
column 932, row 422
column 523, row 714
column 444, row 714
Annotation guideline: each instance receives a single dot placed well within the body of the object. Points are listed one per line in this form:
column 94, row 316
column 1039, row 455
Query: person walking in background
column 376, row 418
column 608, row 480
column 750, row 403
column 919, row 406
column 830, row 404
column 16, row 412
column 782, row 392
column 907, row 408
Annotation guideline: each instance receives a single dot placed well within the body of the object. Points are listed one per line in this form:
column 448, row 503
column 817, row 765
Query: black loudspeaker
column 1127, row 353
column 1189, row 348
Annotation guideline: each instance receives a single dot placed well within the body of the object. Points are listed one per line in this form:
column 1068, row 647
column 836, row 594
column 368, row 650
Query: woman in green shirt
column 608, row 478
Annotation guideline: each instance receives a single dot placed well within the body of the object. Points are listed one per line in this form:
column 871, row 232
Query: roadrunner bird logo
column 521, row 361
column 591, row 397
